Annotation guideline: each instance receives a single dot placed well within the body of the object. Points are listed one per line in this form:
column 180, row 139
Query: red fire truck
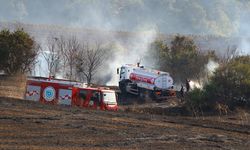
column 65, row 92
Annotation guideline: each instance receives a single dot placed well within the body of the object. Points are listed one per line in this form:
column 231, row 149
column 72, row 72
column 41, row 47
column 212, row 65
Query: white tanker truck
column 146, row 83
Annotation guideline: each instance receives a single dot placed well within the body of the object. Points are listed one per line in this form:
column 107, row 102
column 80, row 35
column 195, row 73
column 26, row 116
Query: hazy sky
column 220, row 17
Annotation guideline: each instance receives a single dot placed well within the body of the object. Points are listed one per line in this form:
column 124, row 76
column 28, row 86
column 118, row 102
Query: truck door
column 82, row 98
column 122, row 73
column 88, row 98
column 109, row 101
column 95, row 99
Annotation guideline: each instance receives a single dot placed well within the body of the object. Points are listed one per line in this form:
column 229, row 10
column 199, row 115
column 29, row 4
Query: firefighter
column 182, row 91
column 187, row 85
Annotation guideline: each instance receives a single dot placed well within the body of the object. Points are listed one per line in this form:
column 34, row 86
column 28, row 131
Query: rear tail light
column 158, row 93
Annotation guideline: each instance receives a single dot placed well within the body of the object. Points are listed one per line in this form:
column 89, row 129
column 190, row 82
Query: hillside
column 29, row 125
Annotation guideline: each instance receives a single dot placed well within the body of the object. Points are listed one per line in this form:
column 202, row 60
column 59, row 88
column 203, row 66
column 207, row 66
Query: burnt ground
column 31, row 125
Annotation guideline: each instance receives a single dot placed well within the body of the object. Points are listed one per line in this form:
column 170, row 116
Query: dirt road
column 30, row 125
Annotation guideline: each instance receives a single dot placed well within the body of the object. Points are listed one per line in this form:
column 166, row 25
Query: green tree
column 18, row 51
column 183, row 59
column 4, row 47
column 230, row 85
column 233, row 81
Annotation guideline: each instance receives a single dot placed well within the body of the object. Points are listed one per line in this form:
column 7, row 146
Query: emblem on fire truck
column 49, row 93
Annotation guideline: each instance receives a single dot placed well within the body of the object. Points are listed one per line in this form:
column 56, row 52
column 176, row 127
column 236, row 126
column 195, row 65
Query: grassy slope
column 25, row 124
column 29, row 125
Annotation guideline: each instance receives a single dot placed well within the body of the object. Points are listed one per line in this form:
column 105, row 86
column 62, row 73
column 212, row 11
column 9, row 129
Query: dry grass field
column 12, row 86
column 30, row 125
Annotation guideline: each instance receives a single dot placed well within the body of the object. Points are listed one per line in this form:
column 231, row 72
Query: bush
column 18, row 51
column 196, row 97
column 233, row 81
column 230, row 86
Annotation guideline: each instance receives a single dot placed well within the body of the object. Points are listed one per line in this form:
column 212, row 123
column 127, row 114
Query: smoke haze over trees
column 130, row 26
column 218, row 17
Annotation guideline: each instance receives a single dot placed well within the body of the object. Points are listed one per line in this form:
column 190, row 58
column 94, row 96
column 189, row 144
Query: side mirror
column 117, row 70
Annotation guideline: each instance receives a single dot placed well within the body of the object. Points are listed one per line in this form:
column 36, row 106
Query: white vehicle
column 137, row 80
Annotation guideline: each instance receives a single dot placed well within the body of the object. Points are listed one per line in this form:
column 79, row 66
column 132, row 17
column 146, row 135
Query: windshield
column 122, row 70
column 109, row 97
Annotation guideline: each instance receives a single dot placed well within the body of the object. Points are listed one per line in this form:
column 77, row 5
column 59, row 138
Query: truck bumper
column 160, row 95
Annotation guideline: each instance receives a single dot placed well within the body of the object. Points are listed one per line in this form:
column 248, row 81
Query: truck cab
column 124, row 72
column 96, row 98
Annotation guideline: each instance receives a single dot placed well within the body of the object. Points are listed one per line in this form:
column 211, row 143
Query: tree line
column 65, row 56
column 73, row 59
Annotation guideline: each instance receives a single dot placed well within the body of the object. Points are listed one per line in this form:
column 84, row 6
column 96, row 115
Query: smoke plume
column 131, row 54
column 210, row 68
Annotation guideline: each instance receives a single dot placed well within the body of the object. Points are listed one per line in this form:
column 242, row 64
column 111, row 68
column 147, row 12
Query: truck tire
column 155, row 97
column 152, row 96
column 123, row 87
column 141, row 95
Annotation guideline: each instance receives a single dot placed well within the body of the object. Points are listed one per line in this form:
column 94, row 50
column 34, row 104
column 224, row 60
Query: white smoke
column 210, row 17
column 195, row 84
column 21, row 9
column 130, row 54
column 245, row 46
column 211, row 67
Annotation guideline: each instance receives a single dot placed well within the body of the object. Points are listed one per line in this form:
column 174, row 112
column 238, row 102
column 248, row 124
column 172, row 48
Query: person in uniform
column 187, row 85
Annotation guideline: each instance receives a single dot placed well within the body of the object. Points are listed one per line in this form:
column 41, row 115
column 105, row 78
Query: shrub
column 196, row 97
column 233, row 81
column 18, row 51
column 230, row 86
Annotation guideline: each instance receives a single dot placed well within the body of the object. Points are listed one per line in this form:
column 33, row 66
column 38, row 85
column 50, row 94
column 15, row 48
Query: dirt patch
column 166, row 125
column 171, row 106
column 30, row 125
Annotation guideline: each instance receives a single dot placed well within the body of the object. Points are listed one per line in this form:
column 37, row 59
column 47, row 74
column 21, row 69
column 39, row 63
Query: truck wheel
column 155, row 98
column 148, row 96
column 141, row 95
column 122, row 87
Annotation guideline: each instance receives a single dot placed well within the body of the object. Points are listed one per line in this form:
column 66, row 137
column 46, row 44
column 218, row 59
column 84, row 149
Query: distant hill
column 223, row 17
column 41, row 31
